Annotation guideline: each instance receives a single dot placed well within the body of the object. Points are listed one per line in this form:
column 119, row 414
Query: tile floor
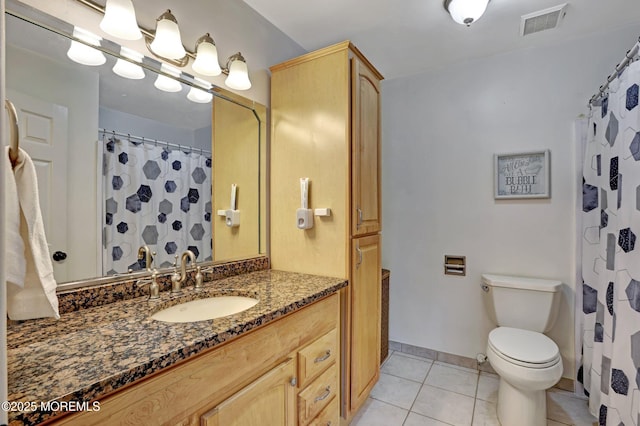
column 414, row 391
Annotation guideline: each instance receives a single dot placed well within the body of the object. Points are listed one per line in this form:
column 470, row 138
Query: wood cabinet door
column 365, row 150
column 365, row 318
column 270, row 400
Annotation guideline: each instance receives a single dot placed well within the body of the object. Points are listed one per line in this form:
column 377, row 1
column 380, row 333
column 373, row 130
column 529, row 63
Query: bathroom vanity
column 284, row 352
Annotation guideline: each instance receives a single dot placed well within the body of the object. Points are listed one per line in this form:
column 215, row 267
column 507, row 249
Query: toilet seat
column 524, row 348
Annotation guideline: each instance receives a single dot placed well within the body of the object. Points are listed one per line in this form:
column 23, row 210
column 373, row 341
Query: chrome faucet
column 145, row 251
column 177, row 279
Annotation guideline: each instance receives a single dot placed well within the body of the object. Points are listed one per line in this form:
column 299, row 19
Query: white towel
column 31, row 287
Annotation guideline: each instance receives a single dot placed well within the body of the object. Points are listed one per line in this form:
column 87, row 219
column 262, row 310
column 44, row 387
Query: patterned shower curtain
column 155, row 196
column 610, row 370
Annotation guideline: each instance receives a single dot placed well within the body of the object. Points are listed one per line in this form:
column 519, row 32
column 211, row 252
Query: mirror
column 122, row 164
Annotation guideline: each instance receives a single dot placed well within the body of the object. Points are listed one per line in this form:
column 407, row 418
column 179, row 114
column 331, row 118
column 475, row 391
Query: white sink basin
column 205, row 309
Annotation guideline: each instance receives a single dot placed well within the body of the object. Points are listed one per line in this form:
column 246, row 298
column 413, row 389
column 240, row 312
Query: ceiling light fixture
column 167, row 42
column 237, row 73
column 83, row 53
column 128, row 69
column 120, row 20
column 466, row 12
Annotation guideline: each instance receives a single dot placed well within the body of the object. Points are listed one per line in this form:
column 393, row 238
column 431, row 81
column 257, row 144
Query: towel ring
column 14, row 135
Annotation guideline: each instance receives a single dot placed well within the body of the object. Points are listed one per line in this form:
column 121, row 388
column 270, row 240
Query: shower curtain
column 155, row 196
column 610, row 370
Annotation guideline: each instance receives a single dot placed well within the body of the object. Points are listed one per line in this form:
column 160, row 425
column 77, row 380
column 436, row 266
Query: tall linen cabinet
column 325, row 126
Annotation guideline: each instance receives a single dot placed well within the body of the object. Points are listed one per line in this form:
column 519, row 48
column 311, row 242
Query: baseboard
column 565, row 383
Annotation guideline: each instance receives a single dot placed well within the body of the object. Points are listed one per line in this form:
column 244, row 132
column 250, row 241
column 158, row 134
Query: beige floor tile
column 457, row 367
column 488, row 388
column 395, row 390
column 407, row 368
column 485, row 414
column 565, row 407
column 448, row 407
column 415, row 419
column 378, row 413
column 453, row 379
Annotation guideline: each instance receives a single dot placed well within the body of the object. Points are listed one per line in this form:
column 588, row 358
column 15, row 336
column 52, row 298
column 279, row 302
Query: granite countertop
column 88, row 353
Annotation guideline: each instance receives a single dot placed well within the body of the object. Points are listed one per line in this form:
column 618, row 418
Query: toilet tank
column 521, row 302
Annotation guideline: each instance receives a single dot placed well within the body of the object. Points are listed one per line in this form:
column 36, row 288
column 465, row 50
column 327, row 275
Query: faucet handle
column 154, row 288
column 199, row 278
column 176, row 284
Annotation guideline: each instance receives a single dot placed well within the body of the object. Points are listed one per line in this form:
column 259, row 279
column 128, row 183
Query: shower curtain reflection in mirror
column 155, row 195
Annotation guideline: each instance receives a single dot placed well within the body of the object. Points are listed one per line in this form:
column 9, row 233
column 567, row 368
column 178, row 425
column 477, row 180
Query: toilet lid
column 524, row 346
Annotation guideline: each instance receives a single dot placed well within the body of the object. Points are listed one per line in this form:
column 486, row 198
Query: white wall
column 440, row 132
column 152, row 129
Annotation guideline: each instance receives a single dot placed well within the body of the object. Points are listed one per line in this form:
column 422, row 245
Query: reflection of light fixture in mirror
column 168, row 84
column 83, row 54
column 167, row 42
column 198, row 95
column 120, row 20
column 127, row 69
column 238, row 74
column 206, row 62
column 466, row 12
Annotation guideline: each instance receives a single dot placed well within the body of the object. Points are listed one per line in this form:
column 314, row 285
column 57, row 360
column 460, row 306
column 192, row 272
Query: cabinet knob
column 293, row 382
column 59, row 256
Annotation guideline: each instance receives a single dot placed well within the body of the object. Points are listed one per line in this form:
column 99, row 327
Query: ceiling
column 405, row 37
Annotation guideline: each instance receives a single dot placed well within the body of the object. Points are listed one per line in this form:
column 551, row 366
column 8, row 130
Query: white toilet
column 527, row 361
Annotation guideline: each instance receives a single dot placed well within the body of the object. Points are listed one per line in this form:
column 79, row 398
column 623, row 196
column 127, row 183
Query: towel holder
column 13, row 132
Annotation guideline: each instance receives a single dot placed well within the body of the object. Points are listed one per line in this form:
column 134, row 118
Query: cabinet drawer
column 330, row 416
column 317, row 395
column 317, row 356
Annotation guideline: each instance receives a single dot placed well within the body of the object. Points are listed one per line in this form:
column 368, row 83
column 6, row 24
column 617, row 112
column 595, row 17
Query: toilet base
column 518, row 407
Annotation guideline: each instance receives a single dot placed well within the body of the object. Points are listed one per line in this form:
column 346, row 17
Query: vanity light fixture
column 165, row 83
column 237, row 73
column 199, row 95
column 466, row 12
column 128, row 69
column 84, row 54
column 206, row 62
column 167, row 42
column 120, row 20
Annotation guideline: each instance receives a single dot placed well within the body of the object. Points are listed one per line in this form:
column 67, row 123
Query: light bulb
column 120, row 20
column 168, row 84
column 167, row 42
column 127, row 69
column 238, row 77
column 206, row 62
column 83, row 54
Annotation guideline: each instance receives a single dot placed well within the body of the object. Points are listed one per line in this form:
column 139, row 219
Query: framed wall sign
column 522, row 175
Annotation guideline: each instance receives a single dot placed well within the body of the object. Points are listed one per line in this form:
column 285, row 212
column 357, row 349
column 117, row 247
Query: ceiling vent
column 542, row 20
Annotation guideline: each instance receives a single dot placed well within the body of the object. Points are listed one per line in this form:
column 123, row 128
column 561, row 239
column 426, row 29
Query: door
column 43, row 135
column 365, row 147
column 365, row 318
column 270, row 400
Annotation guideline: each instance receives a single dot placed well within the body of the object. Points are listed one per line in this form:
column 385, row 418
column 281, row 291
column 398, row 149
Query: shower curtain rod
column 153, row 141
column 631, row 54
